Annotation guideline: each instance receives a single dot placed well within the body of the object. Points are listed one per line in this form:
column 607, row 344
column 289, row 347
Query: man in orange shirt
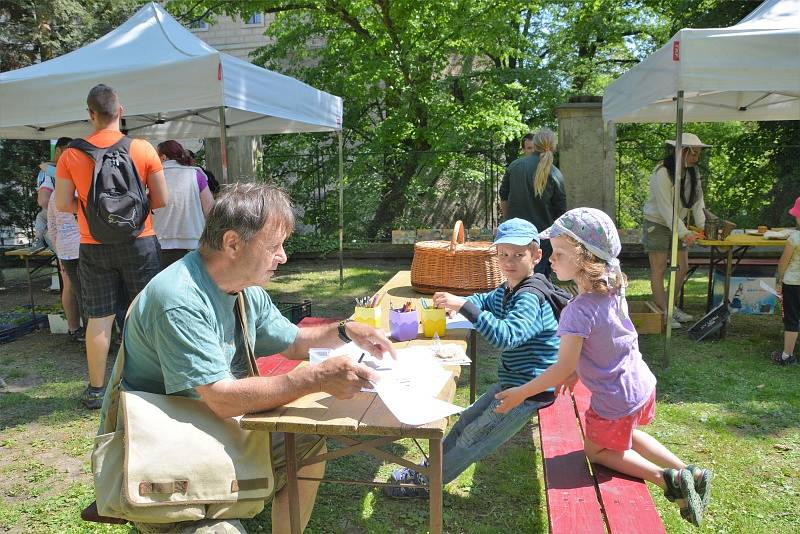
column 111, row 274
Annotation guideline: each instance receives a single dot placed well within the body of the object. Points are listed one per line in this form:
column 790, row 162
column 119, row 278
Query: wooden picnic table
column 731, row 250
column 39, row 259
column 363, row 423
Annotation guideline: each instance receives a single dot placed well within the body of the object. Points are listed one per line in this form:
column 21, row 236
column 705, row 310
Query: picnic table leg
column 435, row 485
column 30, row 287
column 473, row 367
column 710, row 292
column 728, row 273
column 291, row 483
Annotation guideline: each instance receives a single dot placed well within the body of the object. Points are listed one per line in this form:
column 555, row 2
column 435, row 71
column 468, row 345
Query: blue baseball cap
column 516, row 232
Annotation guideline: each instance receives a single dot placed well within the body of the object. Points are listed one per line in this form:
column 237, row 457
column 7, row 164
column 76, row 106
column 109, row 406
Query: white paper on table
column 459, row 321
column 768, row 289
column 412, row 408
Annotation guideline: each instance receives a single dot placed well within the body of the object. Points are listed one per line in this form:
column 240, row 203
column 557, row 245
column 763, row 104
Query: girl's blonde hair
column 593, row 272
column 544, row 143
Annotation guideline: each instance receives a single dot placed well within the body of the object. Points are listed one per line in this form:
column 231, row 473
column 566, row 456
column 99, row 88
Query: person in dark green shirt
column 533, row 189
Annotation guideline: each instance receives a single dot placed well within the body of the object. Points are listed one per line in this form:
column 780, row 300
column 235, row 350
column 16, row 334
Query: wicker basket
column 455, row 266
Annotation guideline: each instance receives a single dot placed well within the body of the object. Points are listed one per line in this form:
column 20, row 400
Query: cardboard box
column 646, row 317
column 746, row 295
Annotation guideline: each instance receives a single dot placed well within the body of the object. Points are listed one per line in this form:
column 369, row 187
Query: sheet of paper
column 768, row 289
column 459, row 321
column 410, row 407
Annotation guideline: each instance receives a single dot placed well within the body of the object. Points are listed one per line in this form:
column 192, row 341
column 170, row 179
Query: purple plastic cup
column 403, row 326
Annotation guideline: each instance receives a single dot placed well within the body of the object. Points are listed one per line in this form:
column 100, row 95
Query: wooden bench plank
column 571, row 496
column 626, row 501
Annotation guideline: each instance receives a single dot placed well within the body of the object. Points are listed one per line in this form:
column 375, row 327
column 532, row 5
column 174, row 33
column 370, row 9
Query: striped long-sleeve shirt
column 521, row 325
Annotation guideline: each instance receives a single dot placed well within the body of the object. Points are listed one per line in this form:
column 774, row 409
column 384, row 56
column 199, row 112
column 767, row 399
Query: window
column 257, row 19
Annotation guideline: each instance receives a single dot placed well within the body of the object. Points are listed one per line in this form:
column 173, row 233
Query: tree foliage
column 31, row 32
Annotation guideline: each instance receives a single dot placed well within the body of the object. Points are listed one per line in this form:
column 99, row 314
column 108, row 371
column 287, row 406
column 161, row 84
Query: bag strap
column 240, row 310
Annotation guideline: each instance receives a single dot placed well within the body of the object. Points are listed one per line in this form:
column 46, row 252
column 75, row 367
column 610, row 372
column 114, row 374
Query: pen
column 361, row 357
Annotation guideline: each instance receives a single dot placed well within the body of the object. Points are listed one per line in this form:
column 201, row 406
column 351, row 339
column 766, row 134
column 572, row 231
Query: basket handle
column 458, row 235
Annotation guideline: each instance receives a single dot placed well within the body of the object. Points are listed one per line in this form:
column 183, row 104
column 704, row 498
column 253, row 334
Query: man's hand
column 567, row 384
column 509, row 399
column 370, row 339
column 448, row 301
column 342, row 377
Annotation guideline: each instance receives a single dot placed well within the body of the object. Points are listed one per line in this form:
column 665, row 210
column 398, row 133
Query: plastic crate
column 295, row 311
column 12, row 327
column 711, row 324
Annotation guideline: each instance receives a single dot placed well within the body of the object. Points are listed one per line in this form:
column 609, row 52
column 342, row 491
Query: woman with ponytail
column 533, row 189
column 180, row 223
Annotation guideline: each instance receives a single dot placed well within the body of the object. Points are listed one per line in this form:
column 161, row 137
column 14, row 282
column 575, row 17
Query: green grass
column 720, row 404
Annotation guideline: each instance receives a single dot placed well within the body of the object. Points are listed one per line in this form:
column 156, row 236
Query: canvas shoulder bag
column 166, row 458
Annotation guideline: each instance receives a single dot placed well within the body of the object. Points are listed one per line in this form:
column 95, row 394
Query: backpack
column 117, row 205
column 557, row 297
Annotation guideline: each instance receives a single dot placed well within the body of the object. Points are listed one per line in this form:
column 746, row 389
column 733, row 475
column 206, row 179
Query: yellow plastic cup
column 370, row 316
column 433, row 321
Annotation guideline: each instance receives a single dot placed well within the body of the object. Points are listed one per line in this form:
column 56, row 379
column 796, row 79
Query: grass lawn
column 721, row 404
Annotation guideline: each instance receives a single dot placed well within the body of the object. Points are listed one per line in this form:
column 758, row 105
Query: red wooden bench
column 278, row 364
column 582, row 500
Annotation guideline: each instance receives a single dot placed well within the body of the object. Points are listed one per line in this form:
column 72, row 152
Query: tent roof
column 750, row 71
column 170, row 84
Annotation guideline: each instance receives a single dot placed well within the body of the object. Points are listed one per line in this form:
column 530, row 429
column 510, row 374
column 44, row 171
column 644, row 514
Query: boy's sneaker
column 675, row 324
column 92, row 398
column 777, row 357
column 406, row 476
column 681, row 316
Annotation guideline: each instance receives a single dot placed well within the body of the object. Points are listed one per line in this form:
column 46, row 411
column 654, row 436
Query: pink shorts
column 617, row 434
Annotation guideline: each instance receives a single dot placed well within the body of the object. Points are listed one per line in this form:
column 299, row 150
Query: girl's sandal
column 694, row 503
column 702, row 482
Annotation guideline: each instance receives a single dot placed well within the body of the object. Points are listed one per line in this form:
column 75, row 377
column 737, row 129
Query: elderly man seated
column 180, row 337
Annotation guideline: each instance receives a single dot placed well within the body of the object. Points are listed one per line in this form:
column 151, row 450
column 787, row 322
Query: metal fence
column 749, row 185
column 444, row 186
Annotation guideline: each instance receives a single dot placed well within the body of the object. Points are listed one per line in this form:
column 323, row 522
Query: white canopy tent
column 171, row 85
column 749, row 71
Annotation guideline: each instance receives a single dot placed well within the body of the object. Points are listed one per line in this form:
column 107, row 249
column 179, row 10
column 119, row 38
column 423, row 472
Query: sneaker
column 777, row 358
column 694, row 504
column 681, row 316
column 675, row 324
column 406, row 476
column 92, row 398
column 702, row 482
column 77, row 335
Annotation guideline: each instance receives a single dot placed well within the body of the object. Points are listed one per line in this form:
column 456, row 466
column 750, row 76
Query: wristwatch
column 342, row 332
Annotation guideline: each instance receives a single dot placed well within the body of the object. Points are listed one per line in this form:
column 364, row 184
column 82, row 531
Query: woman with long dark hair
column 180, row 223
column 657, row 237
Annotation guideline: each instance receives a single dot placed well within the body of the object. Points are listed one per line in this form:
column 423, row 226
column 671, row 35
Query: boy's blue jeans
column 480, row 431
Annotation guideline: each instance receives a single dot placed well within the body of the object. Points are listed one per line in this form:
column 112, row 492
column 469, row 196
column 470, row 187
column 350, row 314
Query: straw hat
column 689, row 140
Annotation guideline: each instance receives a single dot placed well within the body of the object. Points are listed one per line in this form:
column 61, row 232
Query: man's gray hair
column 246, row 208
column 103, row 101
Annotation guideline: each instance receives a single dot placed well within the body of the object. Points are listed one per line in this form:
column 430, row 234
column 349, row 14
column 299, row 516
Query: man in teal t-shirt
column 181, row 336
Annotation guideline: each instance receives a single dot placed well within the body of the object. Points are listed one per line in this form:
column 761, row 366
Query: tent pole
column 676, row 198
column 223, row 145
column 341, row 212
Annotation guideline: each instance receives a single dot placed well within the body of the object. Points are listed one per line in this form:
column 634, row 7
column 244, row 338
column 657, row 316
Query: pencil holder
column 370, row 316
column 433, row 321
column 403, row 326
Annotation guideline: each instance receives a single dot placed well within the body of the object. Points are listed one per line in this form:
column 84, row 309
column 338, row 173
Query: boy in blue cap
column 517, row 320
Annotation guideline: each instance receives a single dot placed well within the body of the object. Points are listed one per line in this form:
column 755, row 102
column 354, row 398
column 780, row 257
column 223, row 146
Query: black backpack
column 556, row 296
column 117, row 205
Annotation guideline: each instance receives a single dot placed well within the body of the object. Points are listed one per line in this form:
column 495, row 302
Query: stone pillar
column 587, row 155
column 244, row 156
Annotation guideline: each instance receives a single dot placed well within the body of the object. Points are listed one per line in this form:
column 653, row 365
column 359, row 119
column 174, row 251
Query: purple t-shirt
column 202, row 180
column 610, row 365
